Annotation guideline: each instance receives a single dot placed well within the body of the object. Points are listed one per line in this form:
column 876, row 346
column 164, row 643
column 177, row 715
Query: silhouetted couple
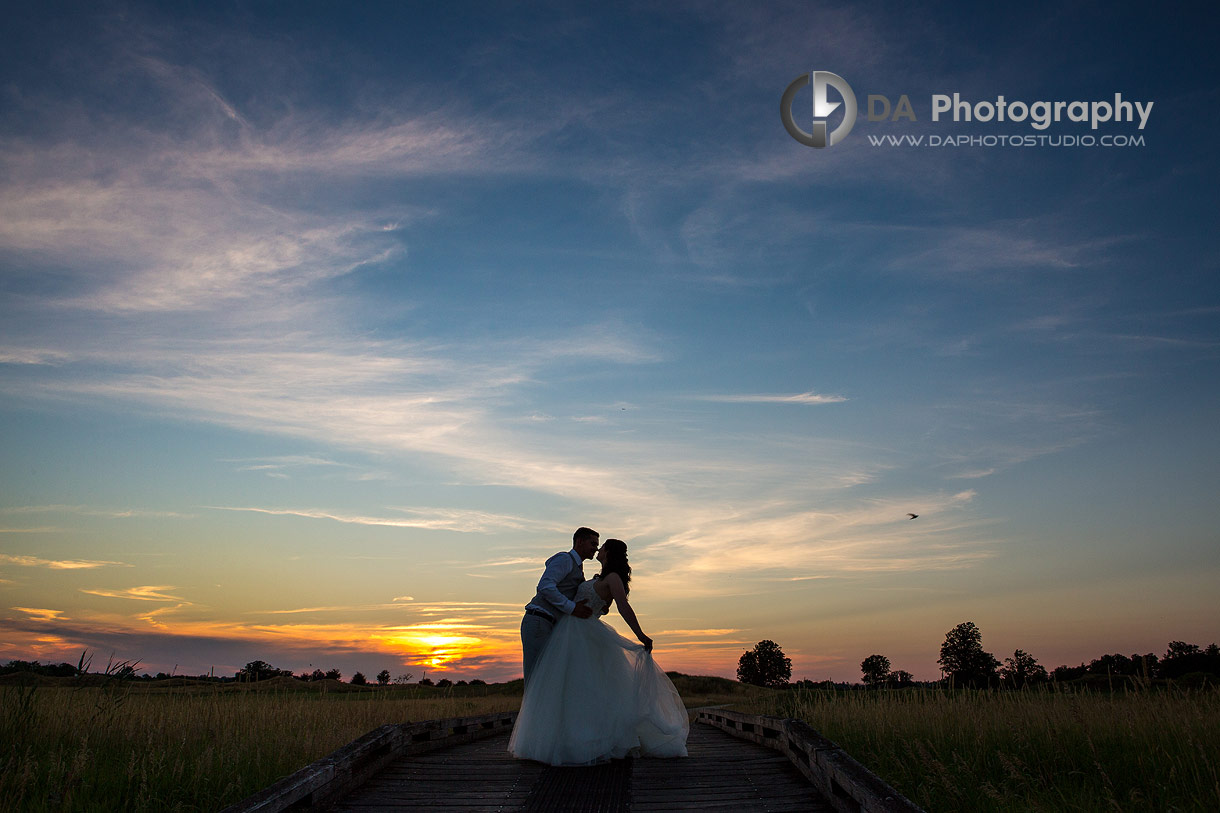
column 591, row 695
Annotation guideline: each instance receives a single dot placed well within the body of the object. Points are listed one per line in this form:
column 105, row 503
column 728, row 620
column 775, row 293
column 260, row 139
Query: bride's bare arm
column 615, row 583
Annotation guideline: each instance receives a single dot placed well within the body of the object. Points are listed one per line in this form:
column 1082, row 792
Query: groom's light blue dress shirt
column 557, row 567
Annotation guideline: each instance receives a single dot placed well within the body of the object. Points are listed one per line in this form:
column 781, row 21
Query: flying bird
column 912, row 516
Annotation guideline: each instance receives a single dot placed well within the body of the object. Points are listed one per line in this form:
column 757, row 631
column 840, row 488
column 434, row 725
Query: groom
column 563, row 574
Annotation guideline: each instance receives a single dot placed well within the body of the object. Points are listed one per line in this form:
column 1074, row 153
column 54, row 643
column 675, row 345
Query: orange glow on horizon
column 437, row 649
column 462, row 647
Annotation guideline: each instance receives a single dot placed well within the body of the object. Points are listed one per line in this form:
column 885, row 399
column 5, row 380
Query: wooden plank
column 722, row 774
column 737, row 775
column 844, row 782
column 470, row 778
column 596, row 789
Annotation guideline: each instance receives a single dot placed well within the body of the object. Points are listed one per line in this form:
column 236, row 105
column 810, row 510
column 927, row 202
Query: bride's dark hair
column 616, row 561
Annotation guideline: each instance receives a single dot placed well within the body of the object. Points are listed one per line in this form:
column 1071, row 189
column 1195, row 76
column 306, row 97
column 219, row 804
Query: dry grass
column 186, row 747
column 1154, row 750
column 118, row 749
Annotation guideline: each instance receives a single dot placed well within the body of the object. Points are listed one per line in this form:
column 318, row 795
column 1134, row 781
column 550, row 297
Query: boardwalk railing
column 845, row 783
column 330, row 778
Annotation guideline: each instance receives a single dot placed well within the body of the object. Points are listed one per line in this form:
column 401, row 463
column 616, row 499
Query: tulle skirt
column 595, row 696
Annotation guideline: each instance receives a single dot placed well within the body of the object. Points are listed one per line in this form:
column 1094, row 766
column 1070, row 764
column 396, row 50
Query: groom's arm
column 548, row 586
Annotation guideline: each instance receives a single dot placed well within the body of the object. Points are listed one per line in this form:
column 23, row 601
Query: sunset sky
column 323, row 325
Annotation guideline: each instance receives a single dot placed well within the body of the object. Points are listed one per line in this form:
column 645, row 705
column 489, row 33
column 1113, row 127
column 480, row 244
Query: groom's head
column 584, row 542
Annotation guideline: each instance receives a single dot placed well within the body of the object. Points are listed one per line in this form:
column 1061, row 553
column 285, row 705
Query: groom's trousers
column 535, row 630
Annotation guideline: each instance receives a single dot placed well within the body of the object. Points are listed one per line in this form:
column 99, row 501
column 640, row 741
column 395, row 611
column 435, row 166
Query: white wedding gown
column 596, row 696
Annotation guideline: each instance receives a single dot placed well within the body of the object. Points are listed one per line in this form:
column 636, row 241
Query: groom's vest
column 567, row 586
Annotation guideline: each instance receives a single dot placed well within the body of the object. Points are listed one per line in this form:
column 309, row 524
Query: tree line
column 252, row 672
column 965, row 664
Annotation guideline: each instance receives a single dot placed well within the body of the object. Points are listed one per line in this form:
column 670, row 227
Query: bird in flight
column 912, row 516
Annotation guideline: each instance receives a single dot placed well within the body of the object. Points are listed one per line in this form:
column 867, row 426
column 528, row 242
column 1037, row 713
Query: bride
column 594, row 695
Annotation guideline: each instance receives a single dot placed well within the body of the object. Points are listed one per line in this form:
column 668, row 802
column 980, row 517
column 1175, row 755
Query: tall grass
column 132, row 747
column 1137, row 750
column 90, row 749
column 125, row 747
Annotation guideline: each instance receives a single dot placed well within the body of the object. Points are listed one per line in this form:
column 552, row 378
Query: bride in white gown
column 594, row 695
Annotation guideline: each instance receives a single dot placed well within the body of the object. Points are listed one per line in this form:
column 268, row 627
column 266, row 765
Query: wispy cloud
column 32, row 355
column 338, row 608
column 37, row 614
column 735, row 550
column 283, row 462
column 800, row 398
column 436, row 519
column 397, row 603
column 84, row 510
column 985, row 248
column 185, row 225
column 57, row 564
column 148, row 593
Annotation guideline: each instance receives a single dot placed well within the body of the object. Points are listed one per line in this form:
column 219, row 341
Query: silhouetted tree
column 383, row 677
column 1183, row 659
column 1146, row 665
column 1115, row 664
column 333, row 674
column 1178, row 649
column 461, row 683
column 478, row 682
column 259, row 670
column 444, row 683
column 20, row 666
column 425, row 682
column 764, row 665
column 876, row 668
column 403, row 679
column 317, row 674
column 59, row 670
column 962, row 657
column 1064, row 673
column 358, row 679
column 1021, row 670
column 900, row 679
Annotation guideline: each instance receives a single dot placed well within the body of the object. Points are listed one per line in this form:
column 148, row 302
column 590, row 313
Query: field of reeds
column 134, row 749
column 198, row 747
column 189, row 747
column 1143, row 749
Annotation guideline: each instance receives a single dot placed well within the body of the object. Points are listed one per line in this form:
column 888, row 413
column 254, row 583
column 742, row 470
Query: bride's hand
column 647, row 643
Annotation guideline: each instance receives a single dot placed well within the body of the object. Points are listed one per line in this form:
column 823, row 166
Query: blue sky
column 321, row 327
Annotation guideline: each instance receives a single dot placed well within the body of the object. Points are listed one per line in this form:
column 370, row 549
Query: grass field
column 1128, row 750
column 199, row 747
column 181, row 746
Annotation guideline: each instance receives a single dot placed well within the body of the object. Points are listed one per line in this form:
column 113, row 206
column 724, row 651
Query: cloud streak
column 809, row 398
column 148, row 593
column 433, row 519
column 56, row 564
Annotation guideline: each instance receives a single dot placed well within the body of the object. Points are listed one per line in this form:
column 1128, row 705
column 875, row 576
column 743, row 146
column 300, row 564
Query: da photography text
column 1040, row 115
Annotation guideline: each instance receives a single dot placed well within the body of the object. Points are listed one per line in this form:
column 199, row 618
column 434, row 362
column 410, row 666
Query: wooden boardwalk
column 722, row 773
column 737, row 762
